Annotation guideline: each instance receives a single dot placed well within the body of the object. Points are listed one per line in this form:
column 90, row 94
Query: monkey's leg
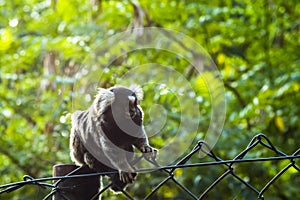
column 94, row 164
column 118, row 158
column 117, row 184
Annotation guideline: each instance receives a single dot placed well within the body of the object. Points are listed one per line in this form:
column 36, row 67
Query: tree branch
column 16, row 162
column 240, row 100
column 236, row 94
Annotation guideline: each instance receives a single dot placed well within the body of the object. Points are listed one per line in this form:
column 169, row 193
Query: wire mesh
column 170, row 172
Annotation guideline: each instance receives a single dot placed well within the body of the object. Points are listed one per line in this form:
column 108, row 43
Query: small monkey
column 104, row 136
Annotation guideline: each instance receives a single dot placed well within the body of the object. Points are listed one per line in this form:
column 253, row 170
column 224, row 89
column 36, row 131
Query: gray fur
column 103, row 136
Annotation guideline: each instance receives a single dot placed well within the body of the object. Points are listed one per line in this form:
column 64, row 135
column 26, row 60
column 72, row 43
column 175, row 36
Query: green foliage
column 255, row 45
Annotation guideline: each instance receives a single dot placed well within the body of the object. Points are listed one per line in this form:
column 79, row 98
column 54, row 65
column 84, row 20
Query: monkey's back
column 85, row 139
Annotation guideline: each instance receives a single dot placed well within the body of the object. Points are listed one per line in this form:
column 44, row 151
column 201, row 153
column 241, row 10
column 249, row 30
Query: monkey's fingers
column 154, row 154
column 149, row 152
column 146, row 149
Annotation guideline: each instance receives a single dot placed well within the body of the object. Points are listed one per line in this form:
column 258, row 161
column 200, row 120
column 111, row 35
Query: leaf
column 280, row 123
column 6, row 39
column 178, row 172
column 221, row 58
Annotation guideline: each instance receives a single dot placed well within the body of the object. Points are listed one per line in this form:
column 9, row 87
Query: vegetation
column 50, row 50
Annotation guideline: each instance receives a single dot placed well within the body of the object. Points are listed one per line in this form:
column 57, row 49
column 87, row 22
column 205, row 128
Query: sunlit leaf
column 279, row 123
column 6, row 39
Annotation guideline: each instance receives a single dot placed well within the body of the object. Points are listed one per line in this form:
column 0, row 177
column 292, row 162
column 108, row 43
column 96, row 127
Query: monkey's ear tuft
column 138, row 91
column 103, row 99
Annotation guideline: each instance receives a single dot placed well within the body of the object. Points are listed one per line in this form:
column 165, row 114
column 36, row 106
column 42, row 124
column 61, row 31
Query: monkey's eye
column 136, row 115
column 132, row 111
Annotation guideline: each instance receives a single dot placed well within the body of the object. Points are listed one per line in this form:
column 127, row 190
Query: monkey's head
column 119, row 106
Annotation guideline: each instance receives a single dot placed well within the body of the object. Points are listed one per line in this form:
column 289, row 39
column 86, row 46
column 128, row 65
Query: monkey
column 104, row 136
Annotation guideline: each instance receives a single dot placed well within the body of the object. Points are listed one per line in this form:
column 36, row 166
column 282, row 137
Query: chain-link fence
column 63, row 191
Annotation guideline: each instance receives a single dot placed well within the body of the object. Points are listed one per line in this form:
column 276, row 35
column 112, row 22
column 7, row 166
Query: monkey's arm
column 118, row 158
column 142, row 144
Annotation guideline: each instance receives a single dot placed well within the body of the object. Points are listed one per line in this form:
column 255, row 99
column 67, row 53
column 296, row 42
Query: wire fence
column 170, row 171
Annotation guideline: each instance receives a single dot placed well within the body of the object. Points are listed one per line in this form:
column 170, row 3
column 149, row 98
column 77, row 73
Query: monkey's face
column 119, row 108
column 125, row 106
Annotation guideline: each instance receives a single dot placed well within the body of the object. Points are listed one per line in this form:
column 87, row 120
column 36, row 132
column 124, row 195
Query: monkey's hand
column 148, row 152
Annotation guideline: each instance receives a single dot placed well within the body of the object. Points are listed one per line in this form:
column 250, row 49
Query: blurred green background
column 255, row 45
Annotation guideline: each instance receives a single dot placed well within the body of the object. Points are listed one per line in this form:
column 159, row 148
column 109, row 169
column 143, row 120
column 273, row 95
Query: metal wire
column 201, row 146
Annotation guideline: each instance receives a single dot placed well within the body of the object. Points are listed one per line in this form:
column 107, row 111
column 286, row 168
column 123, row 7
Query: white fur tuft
column 138, row 91
column 131, row 99
column 103, row 99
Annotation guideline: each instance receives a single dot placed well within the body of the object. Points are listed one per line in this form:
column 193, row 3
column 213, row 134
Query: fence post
column 83, row 188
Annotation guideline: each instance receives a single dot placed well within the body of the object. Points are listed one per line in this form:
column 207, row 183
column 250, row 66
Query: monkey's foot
column 120, row 181
column 118, row 187
column 127, row 177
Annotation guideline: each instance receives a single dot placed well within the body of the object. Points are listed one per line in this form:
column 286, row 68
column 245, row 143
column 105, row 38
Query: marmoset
column 104, row 136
